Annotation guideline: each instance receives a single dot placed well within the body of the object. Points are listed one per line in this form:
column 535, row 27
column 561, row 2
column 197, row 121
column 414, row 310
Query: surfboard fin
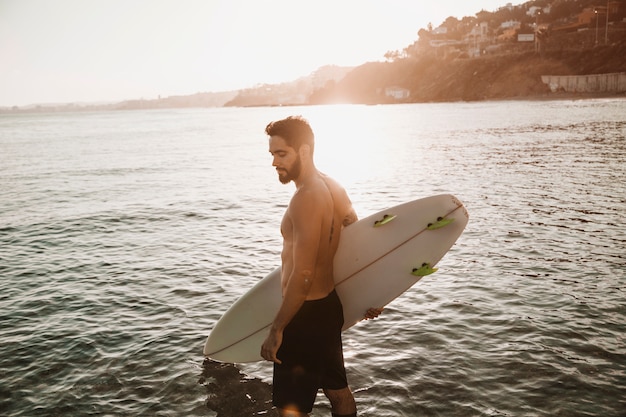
column 441, row 222
column 386, row 219
column 423, row 270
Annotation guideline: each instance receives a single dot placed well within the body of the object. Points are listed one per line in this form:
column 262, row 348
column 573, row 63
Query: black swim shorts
column 311, row 355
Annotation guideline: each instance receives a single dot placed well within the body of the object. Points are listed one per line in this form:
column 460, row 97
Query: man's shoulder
column 307, row 196
column 333, row 185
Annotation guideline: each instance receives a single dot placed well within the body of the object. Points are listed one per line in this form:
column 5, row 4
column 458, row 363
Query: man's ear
column 305, row 151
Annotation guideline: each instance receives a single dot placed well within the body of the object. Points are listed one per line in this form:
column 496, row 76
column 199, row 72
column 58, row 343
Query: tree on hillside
column 467, row 23
column 504, row 14
column 452, row 26
column 393, row 55
column 563, row 10
column 541, row 3
column 483, row 16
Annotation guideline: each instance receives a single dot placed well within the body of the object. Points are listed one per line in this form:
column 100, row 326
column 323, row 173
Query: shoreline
column 531, row 97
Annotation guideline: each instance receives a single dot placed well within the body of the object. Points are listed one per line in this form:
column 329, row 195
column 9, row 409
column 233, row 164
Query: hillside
column 513, row 75
column 493, row 55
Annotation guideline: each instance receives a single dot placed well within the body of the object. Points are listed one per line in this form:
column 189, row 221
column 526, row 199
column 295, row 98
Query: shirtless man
column 305, row 338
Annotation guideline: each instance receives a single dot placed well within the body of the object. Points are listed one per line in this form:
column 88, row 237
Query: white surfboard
column 378, row 258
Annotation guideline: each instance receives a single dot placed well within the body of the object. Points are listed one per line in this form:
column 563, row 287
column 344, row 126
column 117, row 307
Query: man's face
column 285, row 159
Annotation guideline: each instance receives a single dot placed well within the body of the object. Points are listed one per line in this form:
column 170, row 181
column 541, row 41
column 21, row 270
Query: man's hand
column 372, row 313
column 271, row 345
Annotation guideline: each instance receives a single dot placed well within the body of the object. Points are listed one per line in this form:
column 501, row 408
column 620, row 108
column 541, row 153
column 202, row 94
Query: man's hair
column 295, row 130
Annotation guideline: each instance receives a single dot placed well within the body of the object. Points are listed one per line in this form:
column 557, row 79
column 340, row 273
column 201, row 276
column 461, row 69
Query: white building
column 397, row 93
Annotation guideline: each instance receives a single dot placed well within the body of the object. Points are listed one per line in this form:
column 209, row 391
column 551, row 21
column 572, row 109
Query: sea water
column 125, row 235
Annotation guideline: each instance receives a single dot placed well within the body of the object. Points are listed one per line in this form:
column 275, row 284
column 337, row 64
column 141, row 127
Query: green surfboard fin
column 441, row 222
column 424, row 270
column 386, row 219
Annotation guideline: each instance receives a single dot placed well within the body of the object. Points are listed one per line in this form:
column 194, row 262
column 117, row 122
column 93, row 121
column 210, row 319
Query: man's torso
column 334, row 208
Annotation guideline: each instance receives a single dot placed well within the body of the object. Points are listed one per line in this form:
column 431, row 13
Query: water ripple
column 120, row 249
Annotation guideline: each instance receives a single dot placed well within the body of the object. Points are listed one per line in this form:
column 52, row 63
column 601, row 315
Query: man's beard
column 292, row 173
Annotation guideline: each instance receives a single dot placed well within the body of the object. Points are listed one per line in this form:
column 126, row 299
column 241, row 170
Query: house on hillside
column 534, row 11
column 397, row 93
column 509, row 30
column 441, row 30
column 510, row 24
column 478, row 35
column 588, row 17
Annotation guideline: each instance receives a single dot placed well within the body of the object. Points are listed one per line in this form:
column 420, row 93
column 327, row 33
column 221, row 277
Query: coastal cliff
column 432, row 79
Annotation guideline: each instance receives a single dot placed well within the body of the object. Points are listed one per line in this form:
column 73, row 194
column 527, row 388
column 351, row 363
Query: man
column 305, row 338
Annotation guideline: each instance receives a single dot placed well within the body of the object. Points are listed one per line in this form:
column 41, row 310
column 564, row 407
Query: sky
column 89, row 51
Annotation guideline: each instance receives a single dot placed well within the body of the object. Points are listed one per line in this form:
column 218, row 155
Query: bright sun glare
column 346, row 146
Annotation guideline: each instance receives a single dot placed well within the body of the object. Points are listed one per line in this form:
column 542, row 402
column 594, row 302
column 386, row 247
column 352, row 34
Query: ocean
column 124, row 236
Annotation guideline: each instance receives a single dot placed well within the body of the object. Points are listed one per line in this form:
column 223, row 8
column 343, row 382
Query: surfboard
column 379, row 257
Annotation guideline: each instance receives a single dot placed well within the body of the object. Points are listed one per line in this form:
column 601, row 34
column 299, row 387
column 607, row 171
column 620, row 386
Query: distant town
column 492, row 55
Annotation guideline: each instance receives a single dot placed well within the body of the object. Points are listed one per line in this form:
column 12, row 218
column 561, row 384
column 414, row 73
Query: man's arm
column 306, row 216
column 350, row 218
